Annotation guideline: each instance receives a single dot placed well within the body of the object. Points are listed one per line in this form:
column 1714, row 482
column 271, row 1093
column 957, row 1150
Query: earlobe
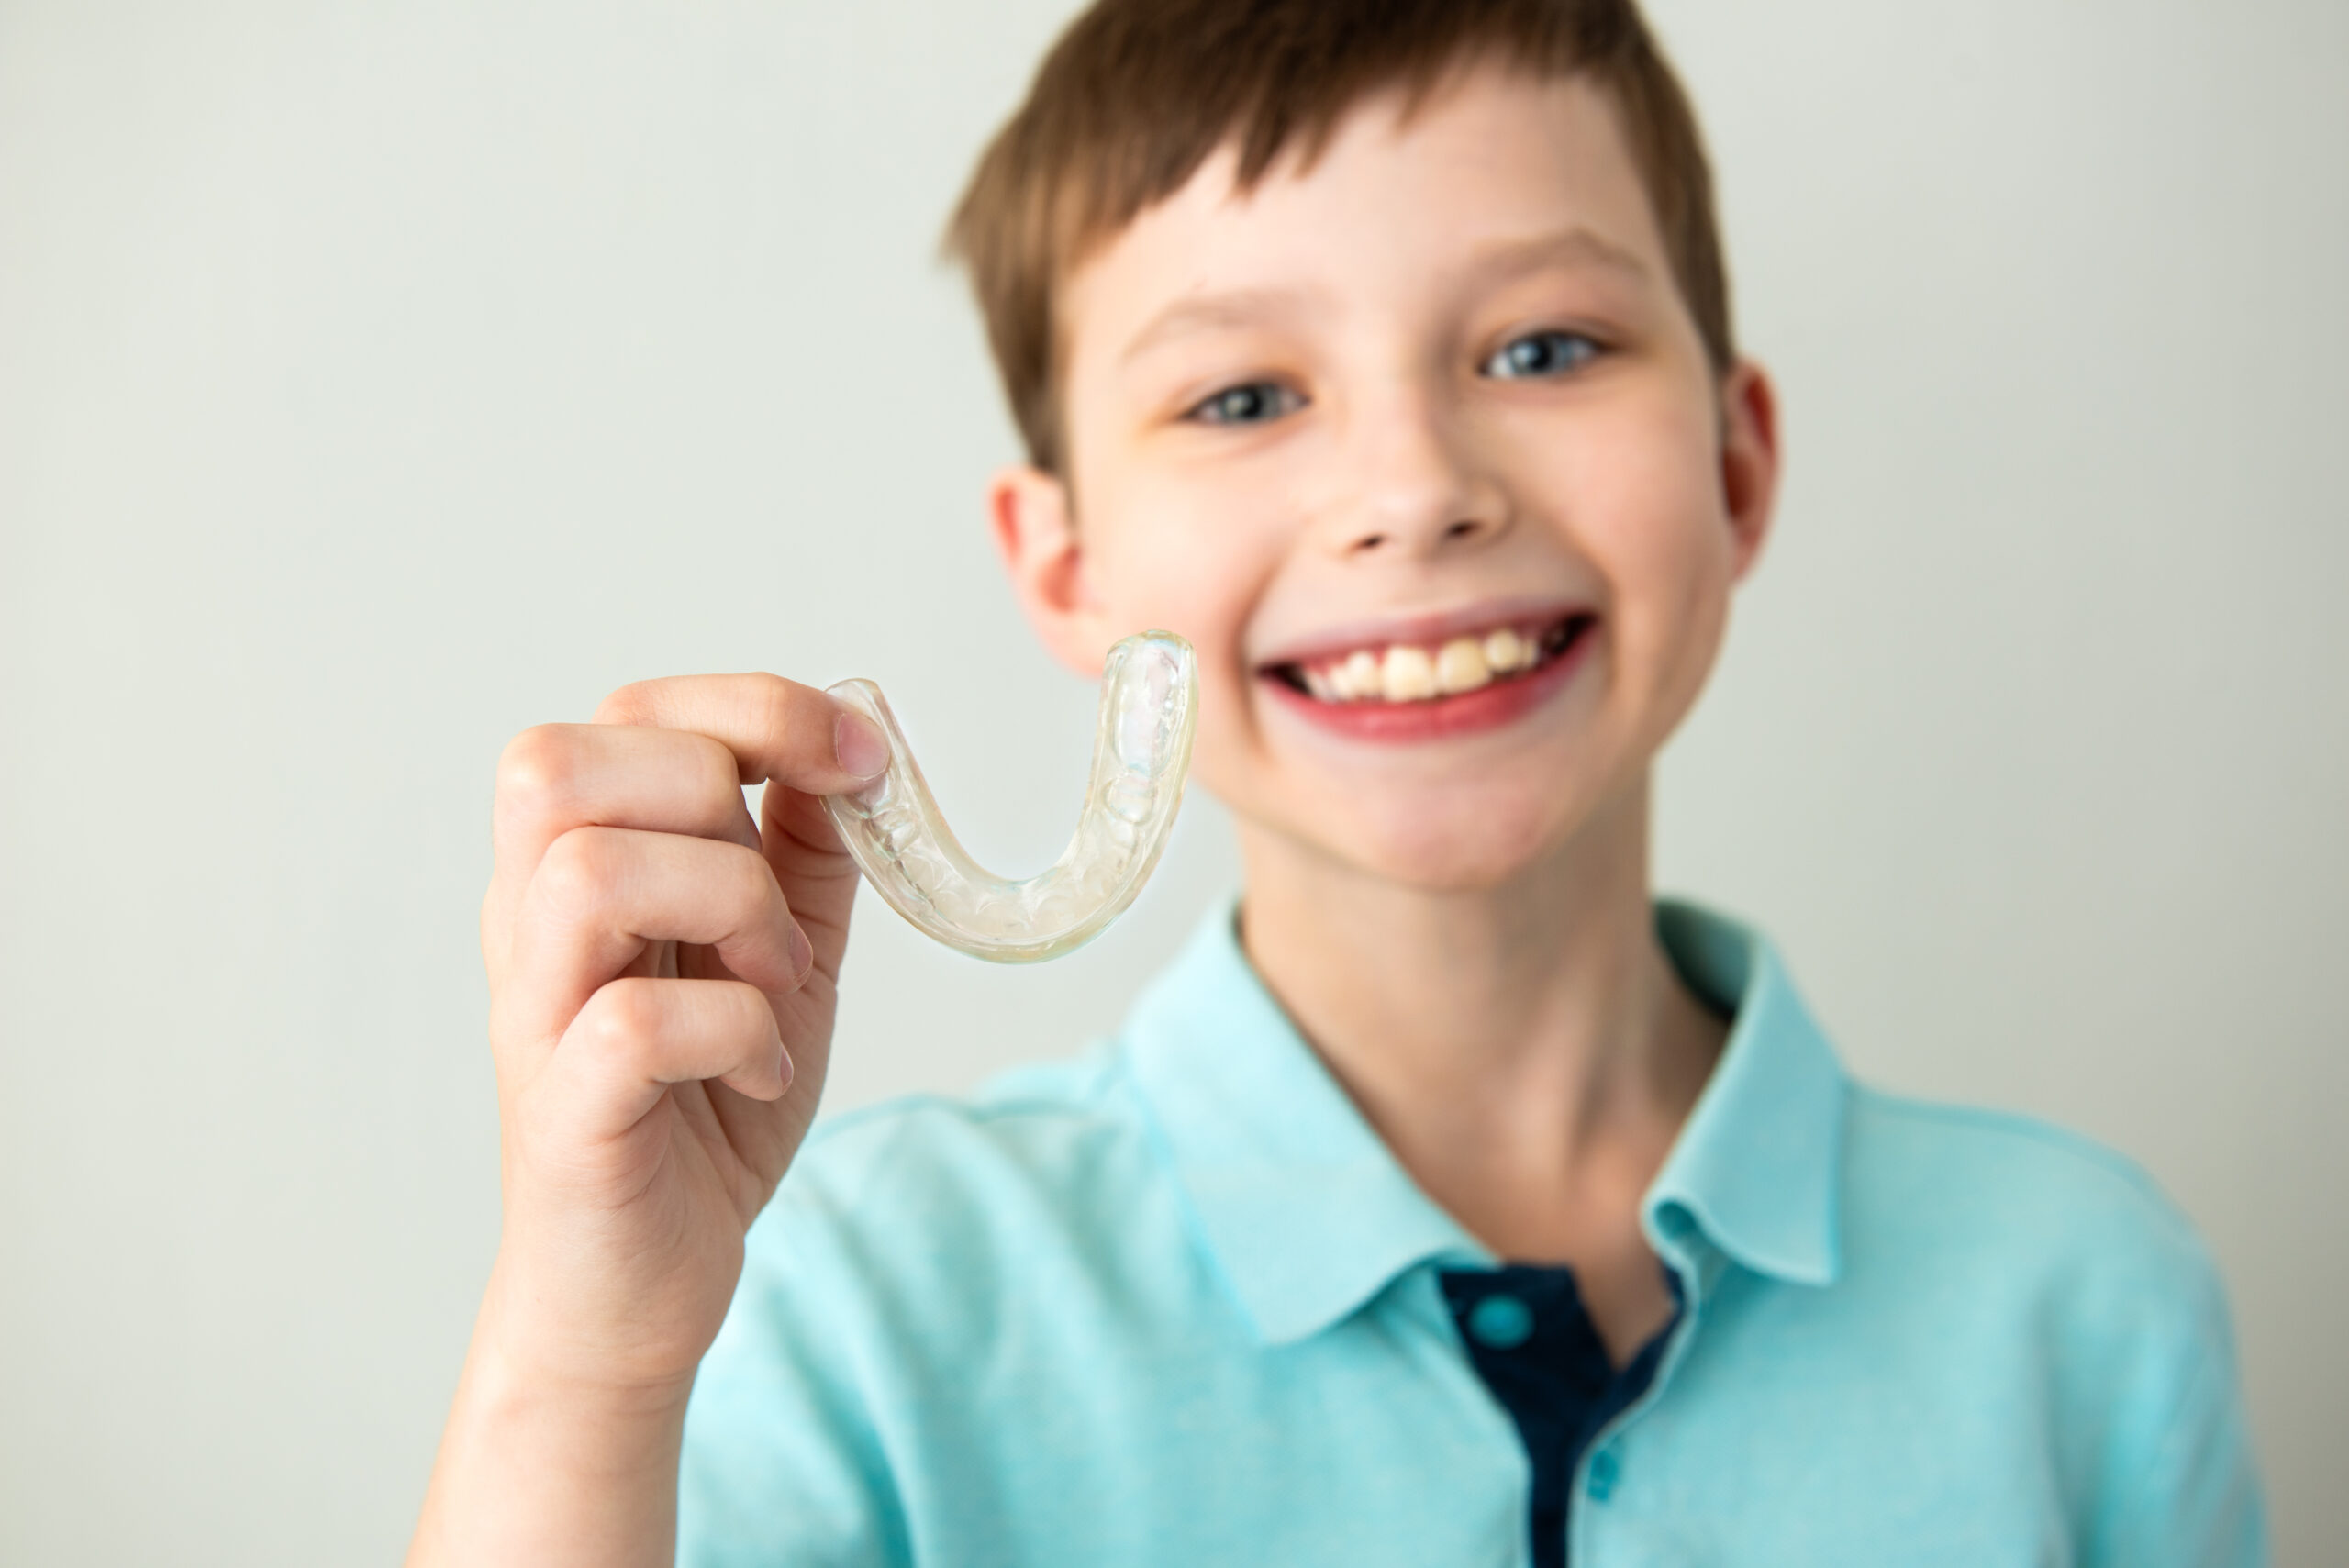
column 1750, row 459
column 1035, row 535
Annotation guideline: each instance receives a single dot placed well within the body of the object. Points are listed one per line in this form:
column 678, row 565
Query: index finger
column 778, row 730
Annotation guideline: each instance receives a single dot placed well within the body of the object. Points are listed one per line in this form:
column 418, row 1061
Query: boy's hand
column 662, row 975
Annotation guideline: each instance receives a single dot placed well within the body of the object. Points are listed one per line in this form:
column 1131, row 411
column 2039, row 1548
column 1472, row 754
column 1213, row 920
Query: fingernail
column 803, row 954
column 858, row 747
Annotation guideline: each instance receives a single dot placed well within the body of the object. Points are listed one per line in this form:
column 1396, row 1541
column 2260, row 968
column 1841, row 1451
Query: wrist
column 528, row 1362
column 513, row 1383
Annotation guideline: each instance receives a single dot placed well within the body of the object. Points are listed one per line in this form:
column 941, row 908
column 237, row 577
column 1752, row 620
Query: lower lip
column 1469, row 713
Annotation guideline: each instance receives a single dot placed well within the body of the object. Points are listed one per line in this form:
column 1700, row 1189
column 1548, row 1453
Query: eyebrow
column 1204, row 313
column 1571, row 247
column 1576, row 247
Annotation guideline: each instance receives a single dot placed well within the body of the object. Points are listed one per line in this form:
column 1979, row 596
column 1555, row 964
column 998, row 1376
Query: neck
column 1526, row 1050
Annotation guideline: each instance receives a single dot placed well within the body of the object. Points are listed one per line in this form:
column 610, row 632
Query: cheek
column 1206, row 591
column 1150, row 569
column 1663, row 542
column 1173, row 548
column 1160, row 563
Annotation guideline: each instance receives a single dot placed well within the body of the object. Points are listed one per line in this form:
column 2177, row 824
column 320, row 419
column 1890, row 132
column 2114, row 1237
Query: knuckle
column 627, row 1014
column 751, row 880
column 771, row 700
column 751, row 1018
column 721, row 774
column 534, row 772
column 578, row 870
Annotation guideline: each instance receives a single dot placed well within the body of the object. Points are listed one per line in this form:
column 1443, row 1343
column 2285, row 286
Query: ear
column 1034, row 524
column 1750, row 460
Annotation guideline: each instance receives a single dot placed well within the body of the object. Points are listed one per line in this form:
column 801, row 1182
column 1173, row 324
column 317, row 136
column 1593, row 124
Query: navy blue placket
column 1531, row 1339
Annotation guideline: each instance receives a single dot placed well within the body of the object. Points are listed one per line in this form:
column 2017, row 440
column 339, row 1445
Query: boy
column 1448, row 1199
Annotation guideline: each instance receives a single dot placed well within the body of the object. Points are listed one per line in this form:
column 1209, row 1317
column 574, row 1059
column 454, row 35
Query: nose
column 1417, row 488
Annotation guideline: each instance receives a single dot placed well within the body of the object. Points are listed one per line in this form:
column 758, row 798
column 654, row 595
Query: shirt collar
column 1757, row 1166
column 1301, row 1204
column 1308, row 1213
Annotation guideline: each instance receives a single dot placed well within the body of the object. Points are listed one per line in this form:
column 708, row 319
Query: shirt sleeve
column 2193, row 1499
column 783, row 1464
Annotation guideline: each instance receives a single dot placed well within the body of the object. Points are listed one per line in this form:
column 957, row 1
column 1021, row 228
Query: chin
column 1469, row 846
column 1457, row 832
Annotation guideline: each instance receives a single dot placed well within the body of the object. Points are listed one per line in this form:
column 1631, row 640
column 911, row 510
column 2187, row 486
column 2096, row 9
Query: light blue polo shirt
column 1174, row 1302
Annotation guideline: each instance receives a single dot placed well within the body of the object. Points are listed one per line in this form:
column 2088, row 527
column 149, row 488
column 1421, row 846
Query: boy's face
column 1422, row 452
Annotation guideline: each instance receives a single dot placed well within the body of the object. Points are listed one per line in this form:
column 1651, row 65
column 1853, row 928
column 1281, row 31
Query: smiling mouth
column 1398, row 673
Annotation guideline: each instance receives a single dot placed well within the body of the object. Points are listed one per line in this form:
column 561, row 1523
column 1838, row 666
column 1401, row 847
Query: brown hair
column 1137, row 94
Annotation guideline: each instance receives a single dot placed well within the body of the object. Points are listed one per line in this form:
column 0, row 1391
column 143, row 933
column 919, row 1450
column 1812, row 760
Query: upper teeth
column 1408, row 673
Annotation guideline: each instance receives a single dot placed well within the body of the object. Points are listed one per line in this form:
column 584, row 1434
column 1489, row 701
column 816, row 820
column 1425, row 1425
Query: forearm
column 530, row 1471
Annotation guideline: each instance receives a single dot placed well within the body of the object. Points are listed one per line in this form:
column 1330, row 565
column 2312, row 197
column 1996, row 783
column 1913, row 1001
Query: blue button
column 1500, row 1322
column 1604, row 1468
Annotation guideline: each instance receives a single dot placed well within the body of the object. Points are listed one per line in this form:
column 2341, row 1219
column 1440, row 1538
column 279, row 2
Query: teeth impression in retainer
column 1141, row 749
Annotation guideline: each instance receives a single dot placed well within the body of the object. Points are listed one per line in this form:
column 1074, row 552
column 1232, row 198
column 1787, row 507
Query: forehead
column 1401, row 198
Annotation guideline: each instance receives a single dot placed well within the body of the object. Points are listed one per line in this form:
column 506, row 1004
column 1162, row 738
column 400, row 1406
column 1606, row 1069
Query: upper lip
column 1425, row 630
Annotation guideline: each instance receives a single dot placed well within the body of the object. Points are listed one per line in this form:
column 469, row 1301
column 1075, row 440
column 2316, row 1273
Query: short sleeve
column 2193, row 1499
column 782, row 1463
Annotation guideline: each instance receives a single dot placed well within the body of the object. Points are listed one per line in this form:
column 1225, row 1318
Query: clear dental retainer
column 1142, row 749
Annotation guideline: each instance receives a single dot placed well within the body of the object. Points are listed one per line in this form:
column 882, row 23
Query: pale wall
column 375, row 386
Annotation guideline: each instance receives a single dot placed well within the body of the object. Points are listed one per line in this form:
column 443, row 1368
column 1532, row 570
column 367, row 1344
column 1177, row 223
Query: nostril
column 1370, row 541
column 1460, row 530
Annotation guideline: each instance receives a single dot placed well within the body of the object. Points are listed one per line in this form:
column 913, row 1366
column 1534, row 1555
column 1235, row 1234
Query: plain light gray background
column 376, row 381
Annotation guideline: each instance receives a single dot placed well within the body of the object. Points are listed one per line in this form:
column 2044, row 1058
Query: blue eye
column 1544, row 353
column 1249, row 403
